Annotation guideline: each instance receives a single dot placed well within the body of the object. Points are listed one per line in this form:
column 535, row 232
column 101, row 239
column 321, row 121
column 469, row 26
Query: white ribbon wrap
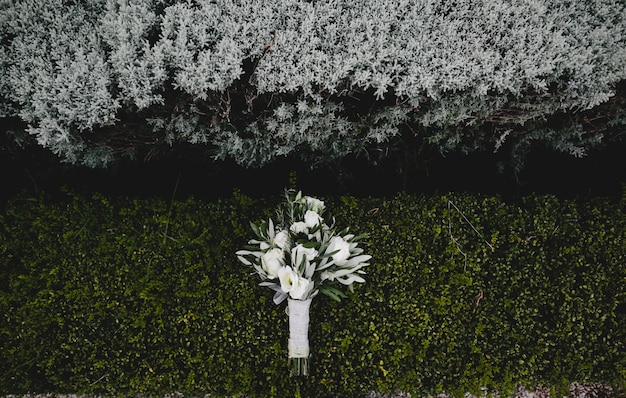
column 299, row 328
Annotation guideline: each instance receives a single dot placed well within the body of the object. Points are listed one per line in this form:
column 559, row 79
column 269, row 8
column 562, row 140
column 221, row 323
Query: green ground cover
column 121, row 296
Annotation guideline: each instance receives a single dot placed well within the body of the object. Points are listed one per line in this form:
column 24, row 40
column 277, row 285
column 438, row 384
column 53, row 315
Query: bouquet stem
column 298, row 337
column 299, row 366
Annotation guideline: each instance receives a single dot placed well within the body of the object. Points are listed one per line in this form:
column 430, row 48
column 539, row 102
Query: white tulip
column 300, row 252
column 342, row 247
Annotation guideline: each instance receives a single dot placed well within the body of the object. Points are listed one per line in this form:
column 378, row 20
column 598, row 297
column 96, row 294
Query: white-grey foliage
column 57, row 73
column 6, row 108
column 138, row 69
column 206, row 43
column 261, row 79
column 317, row 128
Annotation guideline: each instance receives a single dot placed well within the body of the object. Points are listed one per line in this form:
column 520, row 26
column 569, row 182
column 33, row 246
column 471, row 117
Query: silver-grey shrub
column 259, row 79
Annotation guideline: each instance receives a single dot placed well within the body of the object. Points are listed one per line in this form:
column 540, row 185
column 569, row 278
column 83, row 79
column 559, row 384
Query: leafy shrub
column 258, row 80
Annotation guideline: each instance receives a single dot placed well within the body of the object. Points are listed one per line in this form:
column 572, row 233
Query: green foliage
column 126, row 296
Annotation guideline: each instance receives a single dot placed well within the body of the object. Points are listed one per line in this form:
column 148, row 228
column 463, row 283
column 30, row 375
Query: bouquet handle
column 298, row 345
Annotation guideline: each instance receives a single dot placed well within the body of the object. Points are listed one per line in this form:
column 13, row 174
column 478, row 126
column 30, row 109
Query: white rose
column 291, row 283
column 342, row 247
column 299, row 227
column 272, row 261
column 281, row 239
column 311, row 218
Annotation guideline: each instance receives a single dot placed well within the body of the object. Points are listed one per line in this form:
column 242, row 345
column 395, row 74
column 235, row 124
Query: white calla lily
column 292, row 283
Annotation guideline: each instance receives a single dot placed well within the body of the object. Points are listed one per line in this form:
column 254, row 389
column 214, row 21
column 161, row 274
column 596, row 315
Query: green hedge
column 126, row 295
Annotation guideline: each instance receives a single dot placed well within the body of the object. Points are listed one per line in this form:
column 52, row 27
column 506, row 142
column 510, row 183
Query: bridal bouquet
column 300, row 256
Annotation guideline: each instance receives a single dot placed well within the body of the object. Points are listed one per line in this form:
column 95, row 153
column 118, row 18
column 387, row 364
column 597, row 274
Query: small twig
column 101, row 377
column 456, row 243
column 470, row 224
column 225, row 106
column 479, row 297
column 169, row 213
column 269, row 45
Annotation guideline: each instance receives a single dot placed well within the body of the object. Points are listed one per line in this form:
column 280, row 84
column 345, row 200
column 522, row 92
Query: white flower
column 299, row 228
column 314, row 204
column 300, row 252
column 272, row 261
column 291, row 283
column 300, row 259
column 281, row 239
column 311, row 218
column 342, row 247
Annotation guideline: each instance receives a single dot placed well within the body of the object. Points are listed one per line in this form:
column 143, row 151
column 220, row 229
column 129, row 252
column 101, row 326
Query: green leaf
column 332, row 292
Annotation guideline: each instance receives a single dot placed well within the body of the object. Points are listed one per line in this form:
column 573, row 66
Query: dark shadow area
column 601, row 173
